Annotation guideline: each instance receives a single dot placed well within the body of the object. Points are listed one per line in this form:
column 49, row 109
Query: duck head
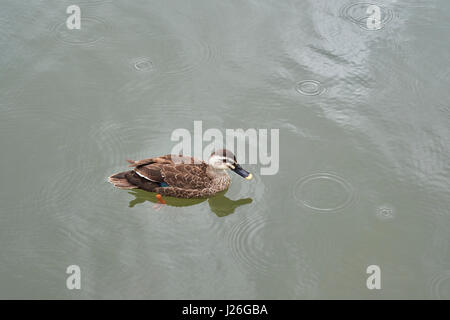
column 224, row 159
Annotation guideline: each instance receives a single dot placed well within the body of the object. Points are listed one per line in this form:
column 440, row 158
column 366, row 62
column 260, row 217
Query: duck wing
column 163, row 159
column 185, row 176
column 167, row 159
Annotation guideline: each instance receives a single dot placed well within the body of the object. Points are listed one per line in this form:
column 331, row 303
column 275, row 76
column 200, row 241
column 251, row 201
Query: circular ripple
column 439, row 286
column 323, row 192
column 44, row 125
column 178, row 54
column 60, row 190
column 93, row 2
column 92, row 30
column 385, row 213
column 357, row 13
column 135, row 137
column 247, row 246
column 310, row 87
column 111, row 139
column 14, row 116
column 143, row 64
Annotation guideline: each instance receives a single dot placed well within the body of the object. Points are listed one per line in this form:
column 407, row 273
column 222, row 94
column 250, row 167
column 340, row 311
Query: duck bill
column 243, row 173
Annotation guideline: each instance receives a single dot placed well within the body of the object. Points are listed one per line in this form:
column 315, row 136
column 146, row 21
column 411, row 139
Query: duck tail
column 120, row 180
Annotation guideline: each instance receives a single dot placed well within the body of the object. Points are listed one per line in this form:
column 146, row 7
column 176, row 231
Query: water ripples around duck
column 269, row 246
column 255, row 242
column 246, row 245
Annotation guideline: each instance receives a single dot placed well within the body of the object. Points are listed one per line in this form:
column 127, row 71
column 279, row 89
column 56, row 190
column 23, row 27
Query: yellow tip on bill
column 250, row 176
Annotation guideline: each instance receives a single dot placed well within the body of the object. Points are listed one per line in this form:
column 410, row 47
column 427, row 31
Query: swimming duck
column 181, row 176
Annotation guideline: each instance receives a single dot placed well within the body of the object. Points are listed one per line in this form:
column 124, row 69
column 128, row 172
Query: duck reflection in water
column 219, row 204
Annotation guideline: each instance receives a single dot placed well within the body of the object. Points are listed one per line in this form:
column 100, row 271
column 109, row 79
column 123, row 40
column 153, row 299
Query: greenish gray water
column 364, row 148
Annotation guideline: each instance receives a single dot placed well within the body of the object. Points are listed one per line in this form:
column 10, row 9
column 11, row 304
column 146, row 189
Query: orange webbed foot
column 160, row 204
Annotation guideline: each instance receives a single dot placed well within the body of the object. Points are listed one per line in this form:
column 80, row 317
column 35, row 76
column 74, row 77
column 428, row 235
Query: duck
column 181, row 176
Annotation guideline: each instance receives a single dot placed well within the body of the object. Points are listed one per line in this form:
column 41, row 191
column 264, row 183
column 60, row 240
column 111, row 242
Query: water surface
column 364, row 124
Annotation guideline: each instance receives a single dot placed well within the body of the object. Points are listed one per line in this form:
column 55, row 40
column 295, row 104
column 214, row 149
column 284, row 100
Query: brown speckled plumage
column 186, row 177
